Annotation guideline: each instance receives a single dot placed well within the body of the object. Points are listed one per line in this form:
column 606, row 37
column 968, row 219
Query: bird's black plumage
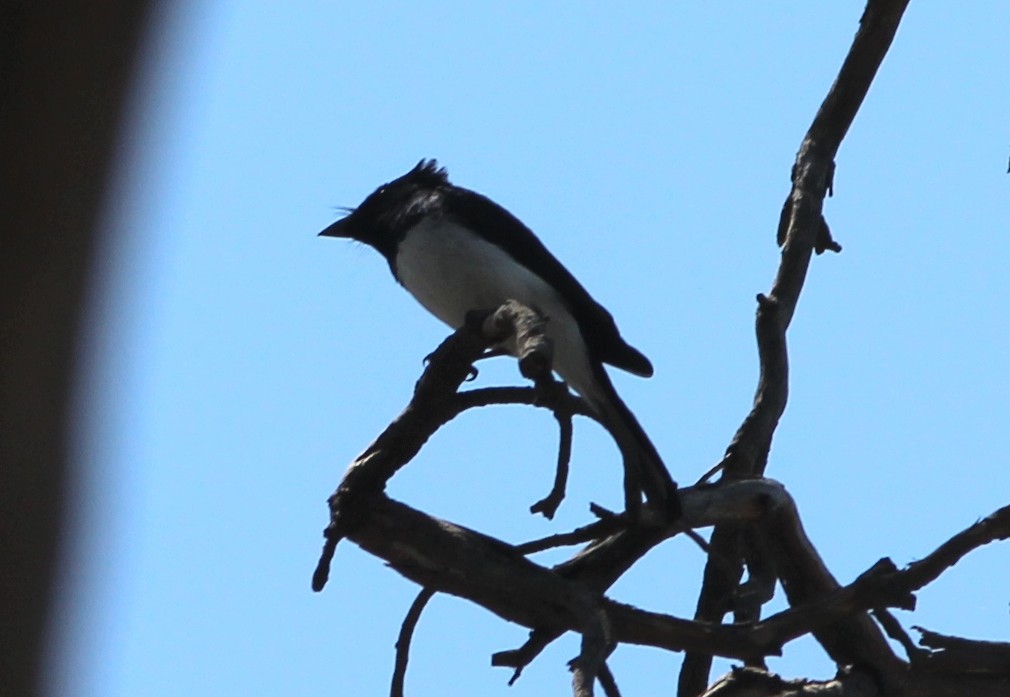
column 455, row 250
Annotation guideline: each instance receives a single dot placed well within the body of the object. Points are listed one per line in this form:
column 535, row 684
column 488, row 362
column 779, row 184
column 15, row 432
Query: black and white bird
column 455, row 251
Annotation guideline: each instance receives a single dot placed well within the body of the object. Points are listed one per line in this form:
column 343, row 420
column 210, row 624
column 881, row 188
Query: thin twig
column 712, row 471
column 548, row 505
column 403, row 641
column 698, row 540
column 596, row 646
column 587, row 533
column 991, row 528
column 524, row 655
column 555, row 400
column 601, row 512
column 894, row 630
column 607, row 681
column 322, row 572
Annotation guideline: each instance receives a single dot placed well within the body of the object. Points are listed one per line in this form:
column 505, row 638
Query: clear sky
column 238, row 363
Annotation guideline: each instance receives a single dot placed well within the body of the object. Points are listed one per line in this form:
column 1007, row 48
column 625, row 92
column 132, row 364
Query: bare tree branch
column 990, row 528
column 449, row 558
column 403, row 641
column 802, row 230
column 596, row 646
column 607, row 681
column 432, row 406
column 555, row 400
column 549, row 504
column 748, row 682
column 895, row 631
column 964, row 656
column 444, row 557
column 524, row 655
column 587, row 533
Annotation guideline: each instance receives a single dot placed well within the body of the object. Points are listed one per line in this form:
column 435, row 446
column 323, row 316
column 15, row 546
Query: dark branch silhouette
column 802, row 231
column 403, row 641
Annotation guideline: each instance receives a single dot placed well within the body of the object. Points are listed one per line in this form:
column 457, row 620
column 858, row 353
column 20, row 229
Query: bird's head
column 389, row 211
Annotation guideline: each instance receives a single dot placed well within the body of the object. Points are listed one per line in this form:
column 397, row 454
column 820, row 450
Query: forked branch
column 802, row 231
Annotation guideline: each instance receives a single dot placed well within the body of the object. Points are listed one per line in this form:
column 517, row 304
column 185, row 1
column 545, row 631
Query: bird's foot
column 472, row 372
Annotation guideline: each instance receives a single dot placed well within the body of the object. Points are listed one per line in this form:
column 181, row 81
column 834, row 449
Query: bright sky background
column 239, row 363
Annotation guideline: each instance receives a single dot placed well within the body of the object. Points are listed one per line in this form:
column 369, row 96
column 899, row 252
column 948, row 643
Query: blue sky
column 237, row 363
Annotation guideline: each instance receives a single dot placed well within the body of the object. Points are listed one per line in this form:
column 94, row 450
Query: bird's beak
column 338, row 229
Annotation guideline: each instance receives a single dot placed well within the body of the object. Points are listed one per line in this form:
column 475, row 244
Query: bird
column 457, row 251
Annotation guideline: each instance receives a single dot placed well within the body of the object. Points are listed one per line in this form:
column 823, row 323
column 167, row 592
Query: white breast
column 451, row 271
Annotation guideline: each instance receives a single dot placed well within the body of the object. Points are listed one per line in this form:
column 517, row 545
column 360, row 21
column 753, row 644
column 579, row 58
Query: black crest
column 427, row 174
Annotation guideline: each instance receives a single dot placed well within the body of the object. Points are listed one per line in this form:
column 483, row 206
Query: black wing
column 506, row 231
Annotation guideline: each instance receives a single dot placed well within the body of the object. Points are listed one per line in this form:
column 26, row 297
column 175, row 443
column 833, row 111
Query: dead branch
column 523, row 656
column 547, row 395
column 990, row 528
column 750, row 682
column 403, row 641
column 434, row 403
column 895, row 631
column 607, row 681
column 959, row 656
column 549, row 504
column 444, row 557
column 802, row 231
column 587, row 533
column 448, row 558
column 596, row 646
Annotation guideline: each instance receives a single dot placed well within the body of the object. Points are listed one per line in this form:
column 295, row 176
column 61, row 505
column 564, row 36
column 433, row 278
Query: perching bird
column 456, row 251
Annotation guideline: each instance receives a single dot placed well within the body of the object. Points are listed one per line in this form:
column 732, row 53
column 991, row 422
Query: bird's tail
column 644, row 471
